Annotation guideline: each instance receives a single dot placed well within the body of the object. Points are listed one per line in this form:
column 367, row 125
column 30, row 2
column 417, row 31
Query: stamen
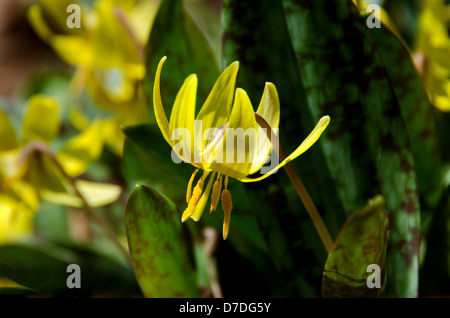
column 194, row 199
column 227, row 206
column 189, row 187
column 226, row 182
column 202, row 203
column 215, row 196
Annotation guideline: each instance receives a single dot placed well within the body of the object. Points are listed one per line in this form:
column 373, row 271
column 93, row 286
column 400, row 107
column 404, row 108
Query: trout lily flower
column 226, row 116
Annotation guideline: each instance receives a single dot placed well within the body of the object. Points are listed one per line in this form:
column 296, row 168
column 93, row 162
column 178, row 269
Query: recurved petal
column 269, row 109
column 181, row 125
column 158, row 107
column 216, row 110
column 305, row 145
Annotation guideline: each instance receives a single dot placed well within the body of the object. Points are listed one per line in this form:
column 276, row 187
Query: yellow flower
column 213, row 148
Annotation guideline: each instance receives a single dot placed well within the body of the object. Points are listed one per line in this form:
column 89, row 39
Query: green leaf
column 417, row 112
column 367, row 145
column 43, row 270
column 33, row 269
column 157, row 246
column 361, row 242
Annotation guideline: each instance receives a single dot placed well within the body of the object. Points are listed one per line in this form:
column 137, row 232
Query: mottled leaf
column 367, row 145
column 157, row 246
column 361, row 243
column 417, row 112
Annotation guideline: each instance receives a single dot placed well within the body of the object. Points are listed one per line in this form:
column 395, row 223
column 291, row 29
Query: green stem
column 314, row 214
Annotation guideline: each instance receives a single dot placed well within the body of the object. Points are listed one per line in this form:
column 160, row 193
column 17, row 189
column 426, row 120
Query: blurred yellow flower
column 107, row 52
column 29, row 170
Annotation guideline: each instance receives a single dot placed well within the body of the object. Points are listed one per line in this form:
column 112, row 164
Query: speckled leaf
column 157, row 246
column 417, row 112
column 367, row 145
column 361, row 242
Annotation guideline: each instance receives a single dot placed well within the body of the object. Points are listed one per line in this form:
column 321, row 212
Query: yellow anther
column 215, row 196
column 189, row 187
column 192, row 204
column 227, row 206
column 202, row 203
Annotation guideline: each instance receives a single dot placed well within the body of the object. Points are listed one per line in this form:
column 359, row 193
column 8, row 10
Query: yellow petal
column 158, row 107
column 15, row 224
column 269, row 109
column 11, row 164
column 189, row 187
column 216, row 110
column 98, row 193
column 142, row 17
column 37, row 21
column 66, row 46
column 183, row 116
column 95, row 193
column 20, row 196
column 112, row 40
column 41, row 120
column 83, row 149
column 305, row 145
column 238, row 149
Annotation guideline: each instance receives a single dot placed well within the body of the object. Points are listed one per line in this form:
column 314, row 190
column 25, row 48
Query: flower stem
column 311, row 208
column 90, row 211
